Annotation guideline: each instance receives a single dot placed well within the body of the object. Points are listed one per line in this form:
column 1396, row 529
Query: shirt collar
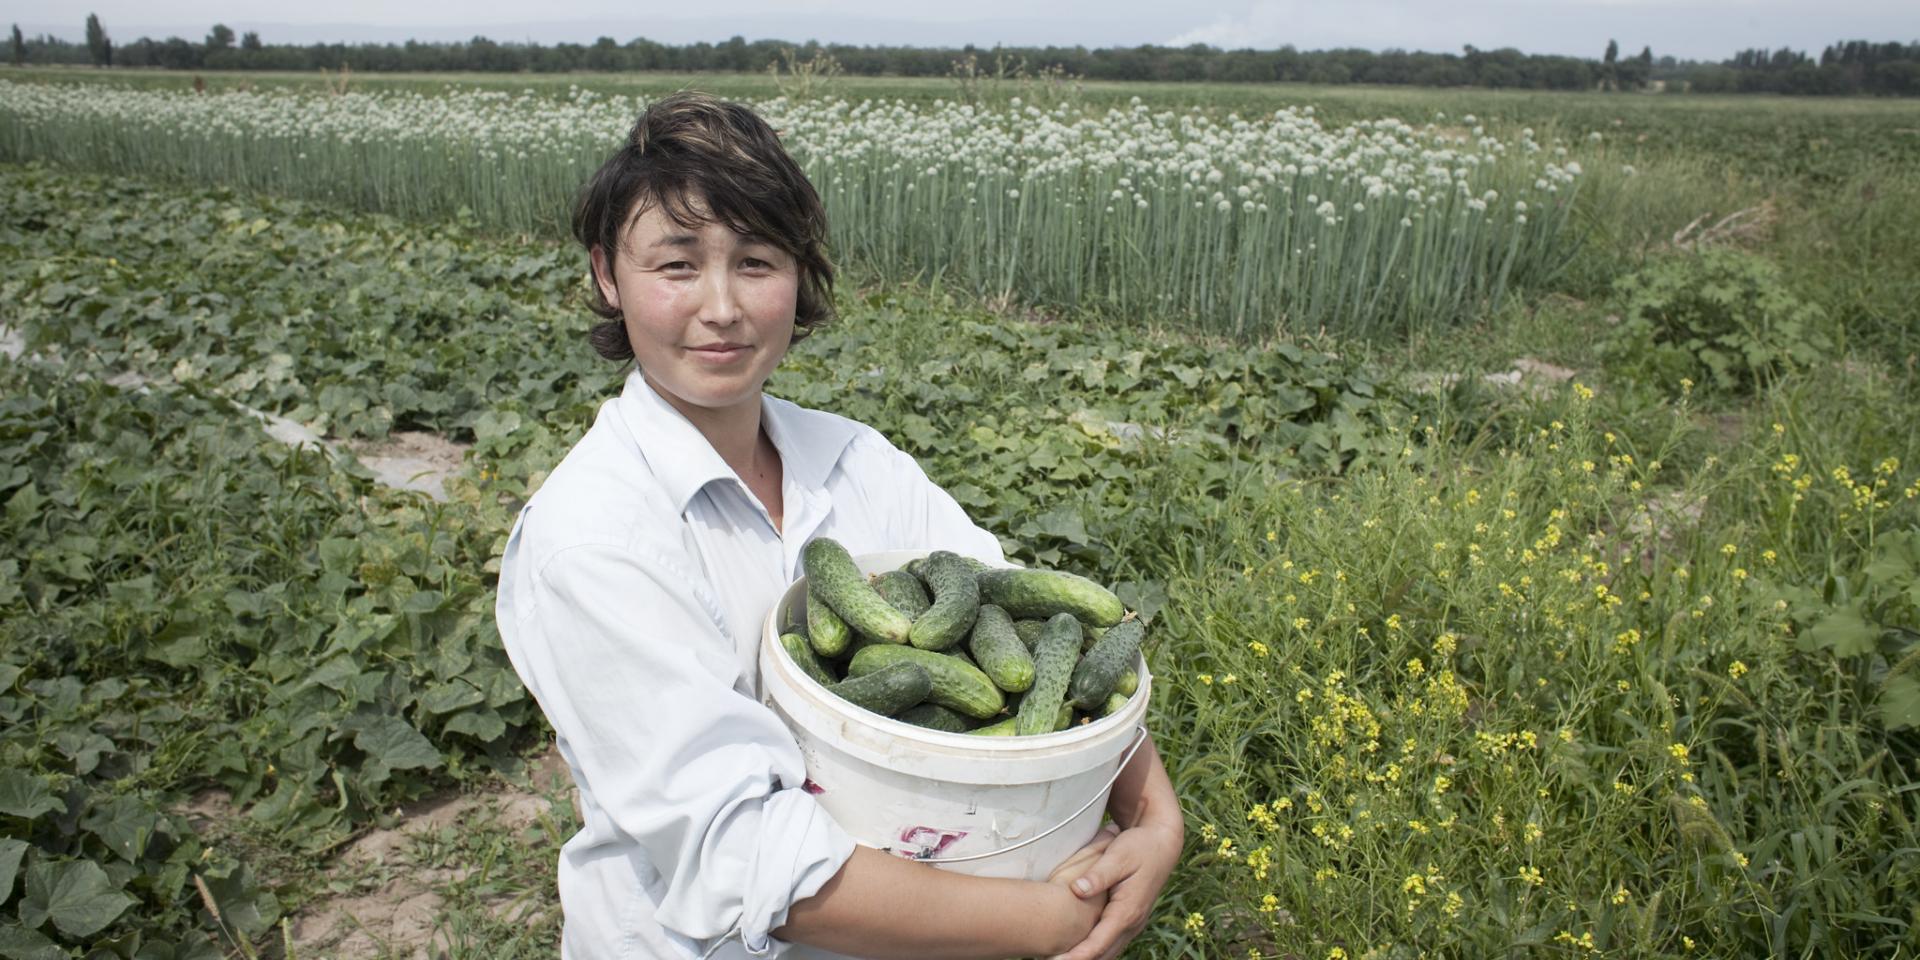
column 810, row 441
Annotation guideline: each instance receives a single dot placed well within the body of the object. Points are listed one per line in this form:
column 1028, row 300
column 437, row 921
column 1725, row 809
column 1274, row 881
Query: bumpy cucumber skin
column 956, row 599
column 903, row 590
column 828, row 634
column 1009, row 726
column 888, row 690
column 998, row 650
column 1129, row 682
column 1029, row 631
column 802, row 653
column 1099, row 671
column 957, row 685
column 918, row 565
column 1043, row 593
column 1116, row 702
column 832, row 575
column 1053, row 663
column 936, row 717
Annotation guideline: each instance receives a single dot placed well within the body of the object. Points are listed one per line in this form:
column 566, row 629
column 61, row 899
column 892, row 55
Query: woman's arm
column 883, row 907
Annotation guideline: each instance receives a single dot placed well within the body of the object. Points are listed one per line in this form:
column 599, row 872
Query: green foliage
column 1722, row 319
column 188, row 604
column 185, row 604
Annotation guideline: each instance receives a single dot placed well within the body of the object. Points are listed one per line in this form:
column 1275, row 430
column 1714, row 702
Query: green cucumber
column 1116, row 702
column 888, row 690
column 956, row 599
column 998, row 650
column 1099, row 671
column 936, row 717
column 918, row 566
column 802, row 653
column 1043, row 593
column 827, row 633
column 1029, row 631
column 903, row 590
column 833, row 577
column 1053, row 663
column 957, row 685
column 1009, row 726
column 1129, row 682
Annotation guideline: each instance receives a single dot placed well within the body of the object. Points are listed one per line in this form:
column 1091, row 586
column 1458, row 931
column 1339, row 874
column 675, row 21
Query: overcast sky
column 1689, row 29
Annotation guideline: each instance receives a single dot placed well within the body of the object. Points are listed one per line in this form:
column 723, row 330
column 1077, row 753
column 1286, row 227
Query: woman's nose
column 719, row 301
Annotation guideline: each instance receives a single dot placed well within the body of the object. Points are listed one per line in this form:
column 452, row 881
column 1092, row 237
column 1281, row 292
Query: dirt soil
column 412, row 460
column 400, row 916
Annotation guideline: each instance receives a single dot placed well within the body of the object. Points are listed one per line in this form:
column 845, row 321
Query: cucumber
column 936, row 717
column 1029, row 631
column 888, row 690
column 903, row 590
column 918, row 565
column 1043, row 593
column 1099, row 671
column 1129, row 682
column 802, row 653
column 956, row 599
column 1052, row 669
column 832, row 576
column 957, row 685
column 1008, row 727
column 1115, row 703
column 825, row 630
column 998, row 650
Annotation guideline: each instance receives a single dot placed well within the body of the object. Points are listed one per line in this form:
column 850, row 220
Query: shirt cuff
column 801, row 849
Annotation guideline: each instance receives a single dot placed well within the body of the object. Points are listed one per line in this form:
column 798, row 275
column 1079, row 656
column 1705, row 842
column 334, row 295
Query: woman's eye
column 756, row 263
column 677, row 265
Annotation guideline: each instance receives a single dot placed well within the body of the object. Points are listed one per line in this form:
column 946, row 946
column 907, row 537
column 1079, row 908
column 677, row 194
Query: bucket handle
column 1139, row 739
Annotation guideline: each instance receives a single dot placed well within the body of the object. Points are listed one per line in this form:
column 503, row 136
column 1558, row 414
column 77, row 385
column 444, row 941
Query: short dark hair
column 703, row 159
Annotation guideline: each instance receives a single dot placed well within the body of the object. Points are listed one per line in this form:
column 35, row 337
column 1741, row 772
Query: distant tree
column 98, row 46
column 1610, row 66
column 19, row 46
column 221, row 38
column 250, row 41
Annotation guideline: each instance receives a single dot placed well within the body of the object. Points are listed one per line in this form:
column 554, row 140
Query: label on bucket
column 919, row 843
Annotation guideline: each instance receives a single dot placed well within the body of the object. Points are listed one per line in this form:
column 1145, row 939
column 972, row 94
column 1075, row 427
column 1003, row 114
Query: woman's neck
column 734, row 432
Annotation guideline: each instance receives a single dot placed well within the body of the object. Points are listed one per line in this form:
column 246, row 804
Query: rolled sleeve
column 637, row 677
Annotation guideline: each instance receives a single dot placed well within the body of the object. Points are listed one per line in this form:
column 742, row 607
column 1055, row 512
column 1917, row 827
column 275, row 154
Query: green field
column 1456, row 653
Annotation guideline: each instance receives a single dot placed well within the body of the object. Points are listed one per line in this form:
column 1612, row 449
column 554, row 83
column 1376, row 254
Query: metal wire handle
column 1139, row 740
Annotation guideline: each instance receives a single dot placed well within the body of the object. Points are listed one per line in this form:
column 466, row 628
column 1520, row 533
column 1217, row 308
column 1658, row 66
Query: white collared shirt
column 630, row 602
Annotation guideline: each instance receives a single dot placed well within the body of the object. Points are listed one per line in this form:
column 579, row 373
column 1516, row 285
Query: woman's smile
column 720, row 354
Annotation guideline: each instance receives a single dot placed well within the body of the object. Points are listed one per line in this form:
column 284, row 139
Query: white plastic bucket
column 987, row 806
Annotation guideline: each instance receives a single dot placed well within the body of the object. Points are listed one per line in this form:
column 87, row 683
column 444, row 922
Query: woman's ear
column 603, row 277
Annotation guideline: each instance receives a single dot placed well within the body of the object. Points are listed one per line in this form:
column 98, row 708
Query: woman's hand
column 1080, row 913
column 1134, row 865
column 1128, row 877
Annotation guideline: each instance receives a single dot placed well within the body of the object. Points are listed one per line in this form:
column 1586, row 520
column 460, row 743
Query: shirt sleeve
column 636, row 676
column 926, row 514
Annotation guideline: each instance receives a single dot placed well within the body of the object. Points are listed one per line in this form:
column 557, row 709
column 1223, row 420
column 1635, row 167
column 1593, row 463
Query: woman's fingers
column 1085, row 857
column 1113, row 866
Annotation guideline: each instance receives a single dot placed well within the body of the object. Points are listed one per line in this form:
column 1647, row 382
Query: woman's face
column 709, row 312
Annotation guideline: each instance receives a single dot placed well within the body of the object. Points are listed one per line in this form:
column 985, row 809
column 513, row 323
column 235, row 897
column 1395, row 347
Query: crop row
column 1240, row 224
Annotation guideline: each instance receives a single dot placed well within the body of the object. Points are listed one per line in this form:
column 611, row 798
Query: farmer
column 635, row 581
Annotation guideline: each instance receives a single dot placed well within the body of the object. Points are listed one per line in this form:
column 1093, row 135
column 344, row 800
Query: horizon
column 1697, row 30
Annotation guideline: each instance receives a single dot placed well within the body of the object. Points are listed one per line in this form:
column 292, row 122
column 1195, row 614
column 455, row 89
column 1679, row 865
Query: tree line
column 1851, row 67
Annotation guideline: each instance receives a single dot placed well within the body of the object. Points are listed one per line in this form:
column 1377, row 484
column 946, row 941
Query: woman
column 633, row 585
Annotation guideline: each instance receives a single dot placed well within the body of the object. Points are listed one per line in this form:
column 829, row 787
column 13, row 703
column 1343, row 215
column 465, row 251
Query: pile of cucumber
column 949, row 643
